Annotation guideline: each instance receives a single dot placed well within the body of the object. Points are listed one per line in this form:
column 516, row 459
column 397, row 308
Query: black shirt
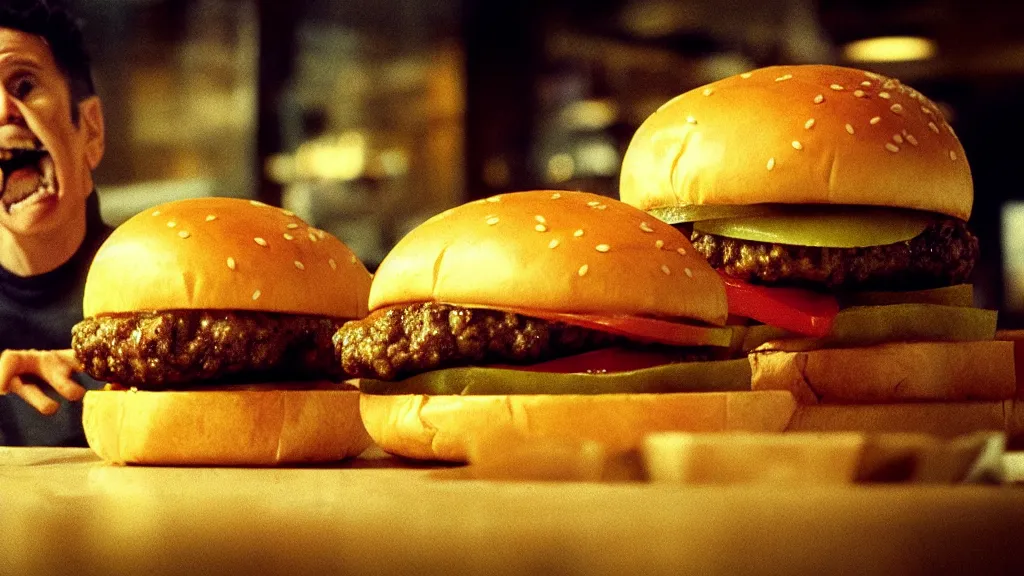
column 37, row 312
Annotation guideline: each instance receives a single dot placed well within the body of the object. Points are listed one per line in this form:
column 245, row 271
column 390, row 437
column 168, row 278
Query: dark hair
column 53, row 22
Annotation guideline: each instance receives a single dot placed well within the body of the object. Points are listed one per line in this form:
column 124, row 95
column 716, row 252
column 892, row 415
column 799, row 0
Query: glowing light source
column 890, row 49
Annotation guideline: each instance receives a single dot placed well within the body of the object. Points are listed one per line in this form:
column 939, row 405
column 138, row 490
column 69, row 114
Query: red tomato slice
column 634, row 327
column 801, row 311
column 604, row 361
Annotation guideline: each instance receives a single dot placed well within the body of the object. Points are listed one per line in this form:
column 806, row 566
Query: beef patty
column 942, row 255
column 161, row 349
column 396, row 342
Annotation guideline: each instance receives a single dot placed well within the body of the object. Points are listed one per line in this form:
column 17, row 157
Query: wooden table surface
column 62, row 511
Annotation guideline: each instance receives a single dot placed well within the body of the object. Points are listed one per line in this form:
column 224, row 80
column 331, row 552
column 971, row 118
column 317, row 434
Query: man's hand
column 22, row 371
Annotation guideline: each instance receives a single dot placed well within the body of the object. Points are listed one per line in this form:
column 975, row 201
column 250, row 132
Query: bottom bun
column 943, row 419
column 226, row 428
column 445, row 427
column 896, row 372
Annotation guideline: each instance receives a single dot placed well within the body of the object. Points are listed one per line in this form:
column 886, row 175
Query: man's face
column 45, row 159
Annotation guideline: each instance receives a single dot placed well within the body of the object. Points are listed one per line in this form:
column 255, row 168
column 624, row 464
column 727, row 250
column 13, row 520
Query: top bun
column 810, row 134
column 552, row 251
column 225, row 254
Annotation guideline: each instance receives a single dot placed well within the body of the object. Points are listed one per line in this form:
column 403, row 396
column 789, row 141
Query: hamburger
column 212, row 321
column 553, row 314
column 834, row 202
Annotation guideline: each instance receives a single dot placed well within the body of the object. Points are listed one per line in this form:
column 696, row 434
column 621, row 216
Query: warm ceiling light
column 889, row 49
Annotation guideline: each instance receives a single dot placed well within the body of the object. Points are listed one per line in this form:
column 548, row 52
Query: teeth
column 46, row 168
column 40, row 194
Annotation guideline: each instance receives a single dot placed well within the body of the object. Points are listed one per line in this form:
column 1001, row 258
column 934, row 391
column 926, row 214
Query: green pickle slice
column 820, row 226
column 709, row 376
column 871, row 325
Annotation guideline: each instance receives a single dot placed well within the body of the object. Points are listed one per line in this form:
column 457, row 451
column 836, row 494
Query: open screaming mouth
column 26, row 176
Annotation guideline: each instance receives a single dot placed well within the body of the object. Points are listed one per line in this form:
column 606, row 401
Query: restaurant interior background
column 367, row 116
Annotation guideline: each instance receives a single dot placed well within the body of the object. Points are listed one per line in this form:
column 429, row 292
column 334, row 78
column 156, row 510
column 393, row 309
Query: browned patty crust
column 156, row 350
column 943, row 255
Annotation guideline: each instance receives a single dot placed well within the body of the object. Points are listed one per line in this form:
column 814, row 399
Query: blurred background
column 368, row 116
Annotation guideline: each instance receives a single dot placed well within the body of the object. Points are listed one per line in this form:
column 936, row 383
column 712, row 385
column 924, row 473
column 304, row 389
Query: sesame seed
column 950, row 130
column 556, row 196
column 540, row 228
column 210, row 218
column 797, row 145
column 691, row 120
column 311, row 235
column 809, row 123
column 889, row 84
column 554, row 243
column 896, row 108
column 299, row 265
column 659, row 244
column 646, row 227
column 897, row 138
column 540, row 219
column 288, row 236
column 492, row 220
column 156, row 213
column 911, row 139
column 332, row 263
column 849, row 128
column 494, row 199
column 593, row 203
column 602, row 248
column 231, row 263
column 819, row 99
column 292, row 226
column 858, row 93
column 602, row 207
column 866, row 83
column 708, row 92
column 287, row 212
column 172, row 224
column 578, row 233
column 352, row 259
column 256, row 203
column 891, row 147
column 933, row 127
column 875, row 120
column 688, row 272
column 884, row 95
column 583, row 270
column 682, row 251
column 836, row 87
column 665, row 270
column 259, row 241
column 783, row 77
column 746, row 75
column 183, row 234
column 952, row 155
column 771, row 163
column 320, row 233
column 256, row 295
column 926, row 110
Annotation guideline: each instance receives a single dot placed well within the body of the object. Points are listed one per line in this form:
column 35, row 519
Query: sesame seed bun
column 810, row 134
column 553, row 251
column 226, row 428
column 233, row 255
column 225, row 254
column 446, row 427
